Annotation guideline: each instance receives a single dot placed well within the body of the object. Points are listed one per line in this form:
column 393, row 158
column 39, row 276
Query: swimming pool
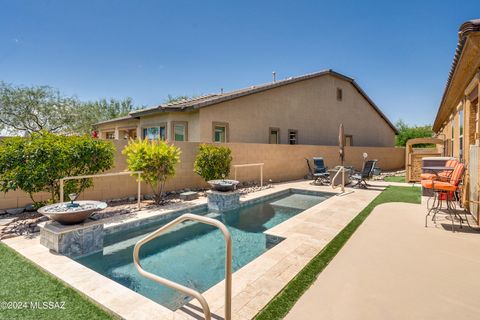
column 193, row 254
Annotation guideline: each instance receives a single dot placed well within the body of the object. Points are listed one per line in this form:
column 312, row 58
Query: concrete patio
column 395, row 268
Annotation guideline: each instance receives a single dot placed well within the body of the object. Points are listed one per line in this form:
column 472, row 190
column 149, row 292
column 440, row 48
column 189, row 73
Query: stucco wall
column 282, row 163
column 309, row 106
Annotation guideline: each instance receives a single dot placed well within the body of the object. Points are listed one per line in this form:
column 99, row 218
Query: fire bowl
column 65, row 213
column 223, row 185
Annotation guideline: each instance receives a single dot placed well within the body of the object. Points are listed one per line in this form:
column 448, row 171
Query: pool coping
column 254, row 285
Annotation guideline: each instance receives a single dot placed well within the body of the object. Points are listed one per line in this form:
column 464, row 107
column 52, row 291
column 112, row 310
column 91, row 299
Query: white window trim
column 157, row 127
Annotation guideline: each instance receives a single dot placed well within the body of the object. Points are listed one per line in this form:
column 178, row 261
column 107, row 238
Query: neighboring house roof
column 464, row 31
column 212, row 99
column 127, row 117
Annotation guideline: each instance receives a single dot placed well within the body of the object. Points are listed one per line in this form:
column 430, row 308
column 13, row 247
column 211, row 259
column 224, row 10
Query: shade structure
column 341, row 142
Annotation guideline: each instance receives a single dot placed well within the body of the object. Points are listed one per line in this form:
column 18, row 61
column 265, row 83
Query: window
column 460, row 140
column 339, row 94
column 110, row 135
column 292, row 136
column 274, row 136
column 180, row 130
column 348, row 140
column 155, row 132
column 220, row 132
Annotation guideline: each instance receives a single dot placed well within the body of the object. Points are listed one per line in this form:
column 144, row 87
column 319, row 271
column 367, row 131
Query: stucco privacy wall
column 282, row 162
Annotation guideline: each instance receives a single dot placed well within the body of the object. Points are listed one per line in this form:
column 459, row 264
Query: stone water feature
column 223, row 195
column 71, row 232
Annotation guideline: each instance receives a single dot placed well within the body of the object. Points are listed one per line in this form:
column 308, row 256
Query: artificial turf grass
column 281, row 304
column 395, row 179
column 22, row 281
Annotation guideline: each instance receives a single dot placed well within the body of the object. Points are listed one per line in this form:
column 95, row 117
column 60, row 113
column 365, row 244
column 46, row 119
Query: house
column 302, row 110
column 457, row 120
column 457, row 117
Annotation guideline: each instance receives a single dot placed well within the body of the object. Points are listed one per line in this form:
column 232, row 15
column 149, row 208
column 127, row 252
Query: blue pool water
column 193, row 254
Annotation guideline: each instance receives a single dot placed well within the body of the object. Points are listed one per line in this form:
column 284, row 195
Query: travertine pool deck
column 395, row 268
column 254, row 285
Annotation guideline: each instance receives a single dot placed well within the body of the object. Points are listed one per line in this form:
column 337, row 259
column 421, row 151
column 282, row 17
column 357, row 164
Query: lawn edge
column 54, row 278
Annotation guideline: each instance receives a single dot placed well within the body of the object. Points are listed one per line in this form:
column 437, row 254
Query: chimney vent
column 274, row 76
column 221, row 90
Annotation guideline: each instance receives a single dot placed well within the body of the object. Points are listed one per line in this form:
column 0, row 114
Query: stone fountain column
column 223, row 201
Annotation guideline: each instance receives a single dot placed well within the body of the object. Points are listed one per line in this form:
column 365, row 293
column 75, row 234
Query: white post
column 261, row 175
column 61, row 190
column 139, row 132
column 235, row 174
column 343, row 179
column 139, row 193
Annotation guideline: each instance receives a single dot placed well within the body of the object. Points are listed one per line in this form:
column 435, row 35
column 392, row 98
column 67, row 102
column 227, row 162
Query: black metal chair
column 362, row 177
column 319, row 172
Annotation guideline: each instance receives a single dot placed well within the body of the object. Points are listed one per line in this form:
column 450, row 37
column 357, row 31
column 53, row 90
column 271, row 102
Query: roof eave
column 464, row 31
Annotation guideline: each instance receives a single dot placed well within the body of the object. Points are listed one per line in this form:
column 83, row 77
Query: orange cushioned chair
column 444, row 190
column 443, row 175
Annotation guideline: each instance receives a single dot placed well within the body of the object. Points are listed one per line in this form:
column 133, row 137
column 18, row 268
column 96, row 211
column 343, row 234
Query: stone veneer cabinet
column 223, row 201
column 72, row 240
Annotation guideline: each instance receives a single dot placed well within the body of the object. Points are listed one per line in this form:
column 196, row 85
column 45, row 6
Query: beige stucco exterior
column 461, row 96
column 308, row 106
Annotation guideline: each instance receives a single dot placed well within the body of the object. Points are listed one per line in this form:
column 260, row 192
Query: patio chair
column 319, row 172
column 363, row 176
column 446, row 191
column 441, row 176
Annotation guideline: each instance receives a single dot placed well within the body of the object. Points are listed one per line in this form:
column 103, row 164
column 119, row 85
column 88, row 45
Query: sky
column 399, row 52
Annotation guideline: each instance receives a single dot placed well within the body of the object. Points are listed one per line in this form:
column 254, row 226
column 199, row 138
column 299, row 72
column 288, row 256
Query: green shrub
column 157, row 160
column 406, row 132
column 37, row 162
column 213, row 162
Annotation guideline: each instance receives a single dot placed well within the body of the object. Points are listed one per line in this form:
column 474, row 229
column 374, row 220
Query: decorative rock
column 7, row 236
column 2, row 212
column 189, row 195
column 130, row 199
column 15, row 211
column 6, row 221
column 41, row 219
column 29, row 207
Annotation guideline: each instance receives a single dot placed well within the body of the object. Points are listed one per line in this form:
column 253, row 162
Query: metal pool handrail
column 176, row 286
column 342, row 170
